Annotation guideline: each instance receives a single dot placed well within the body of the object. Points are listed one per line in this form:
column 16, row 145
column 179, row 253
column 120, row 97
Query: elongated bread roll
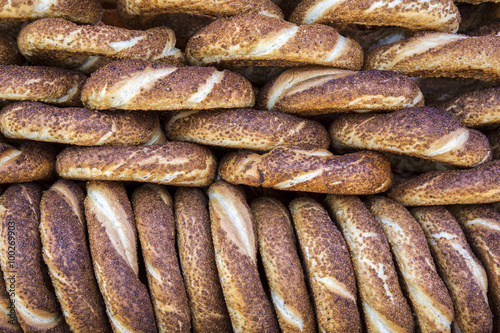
column 384, row 306
column 421, row 132
column 235, row 242
column 245, row 128
column 140, row 85
column 300, row 168
column 171, row 163
column 260, row 40
column 197, row 258
column 31, row 161
column 43, row 84
column 328, row 266
column 8, row 318
column 113, row 245
column 460, row 269
column 478, row 185
column 436, row 54
column 321, row 90
column 153, row 210
column 284, row 272
column 427, row 292
column 64, row 243
column 9, row 53
column 35, row 304
column 440, row 15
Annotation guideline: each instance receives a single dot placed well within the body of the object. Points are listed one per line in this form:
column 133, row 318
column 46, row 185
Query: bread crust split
column 64, row 243
column 171, row 163
column 259, row 40
column 140, row 85
column 300, row 168
column 321, row 90
column 31, row 161
column 424, row 132
column 328, row 266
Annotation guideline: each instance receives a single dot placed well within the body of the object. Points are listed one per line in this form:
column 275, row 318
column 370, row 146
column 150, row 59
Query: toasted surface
column 328, row 265
column 31, row 161
column 8, row 319
column 140, row 85
column 64, row 243
column 260, row 40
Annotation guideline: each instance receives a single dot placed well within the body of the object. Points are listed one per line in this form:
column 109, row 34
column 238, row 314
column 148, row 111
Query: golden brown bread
column 8, row 318
column 9, row 53
column 21, row 260
column 197, row 259
column 278, row 250
column 141, row 85
column 78, row 126
column 153, row 211
column 320, row 90
column 384, row 306
column 424, row 132
column 43, row 84
column 435, row 54
column 460, row 269
column 260, row 40
column 427, row 292
column 113, row 246
column 300, row 168
column 64, row 243
column 171, row 163
column 245, row 128
column 328, row 266
column 235, row 242
column 478, row 185
column 31, row 161
column 440, row 15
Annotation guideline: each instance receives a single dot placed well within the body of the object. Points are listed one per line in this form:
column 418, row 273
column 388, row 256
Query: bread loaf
column 8, row 318
column 31, row 161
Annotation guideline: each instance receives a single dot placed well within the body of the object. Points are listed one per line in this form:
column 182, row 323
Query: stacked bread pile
column 209, row 166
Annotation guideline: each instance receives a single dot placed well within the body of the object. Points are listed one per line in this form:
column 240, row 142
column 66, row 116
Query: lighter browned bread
column 235, row 242
column 299, row 168
column 42, row 84
column 140, row 85
column 64, row 243
column 440, row 55
column 328, row 265
column 9, row 53
column 197, row 259
column 478, row 185
column 427, row 292
column 440, row 15
column 113, row 245
column 425, row 132
column 245, row 128
column 384, row 306
column 461, row 271
column 153, row 210
column 320, row 90
column 21, row 260
column 58, row 42
column 31, row 161
column 8, row 318
column 260, row 40
column 171, row 163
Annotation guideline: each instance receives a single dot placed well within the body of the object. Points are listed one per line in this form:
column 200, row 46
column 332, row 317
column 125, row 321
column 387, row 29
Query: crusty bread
column 372, row 37
column 31, row 161
column 245, row 128
column 321, row 90
column 436, row 54
column 197, row 259
column 113, row 245
column 427, row 292
column 171, row 163
column 460, row 269
column 260, row 40
column 384, row 306
column 64, row 243
column 424, row 132
column 328, row 265
column 43, row 84
column 300, row 168
column 140, row 85
column 153, row 210
column 235, row 242
column 478, row 185
column 8, row 318
column 9, row 53
column 35, row 304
